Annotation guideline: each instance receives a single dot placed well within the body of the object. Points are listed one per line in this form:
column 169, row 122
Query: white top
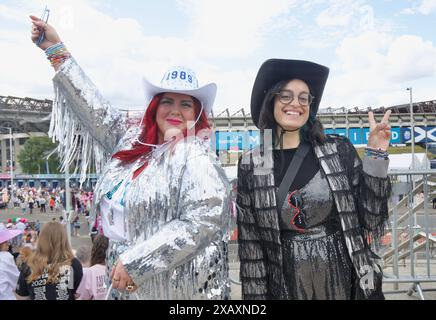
column 112, row 213
column 8, row 276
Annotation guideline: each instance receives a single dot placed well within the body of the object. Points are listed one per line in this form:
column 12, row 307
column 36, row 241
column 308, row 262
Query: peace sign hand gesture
column 379, row 133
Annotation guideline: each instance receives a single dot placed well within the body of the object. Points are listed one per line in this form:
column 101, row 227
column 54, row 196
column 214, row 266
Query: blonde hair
column 52, row 251
column 25, row 253
column 23, row 257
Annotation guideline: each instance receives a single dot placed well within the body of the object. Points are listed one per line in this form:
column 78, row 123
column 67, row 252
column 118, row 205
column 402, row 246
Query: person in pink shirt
column 93, row 285
column 84, row 200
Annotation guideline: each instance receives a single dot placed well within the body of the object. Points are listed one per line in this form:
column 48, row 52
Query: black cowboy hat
column 273, row 71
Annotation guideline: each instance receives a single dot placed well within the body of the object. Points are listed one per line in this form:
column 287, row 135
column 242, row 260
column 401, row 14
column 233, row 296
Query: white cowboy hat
column 184, row 81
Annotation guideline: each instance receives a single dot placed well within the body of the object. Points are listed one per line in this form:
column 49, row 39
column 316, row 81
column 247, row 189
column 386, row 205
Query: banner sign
column 243, row 140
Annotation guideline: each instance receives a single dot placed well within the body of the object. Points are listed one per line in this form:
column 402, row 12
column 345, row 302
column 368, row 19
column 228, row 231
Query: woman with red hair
column 162, row 196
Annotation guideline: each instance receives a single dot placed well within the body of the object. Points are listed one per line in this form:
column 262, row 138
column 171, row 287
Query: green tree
column 32, row 157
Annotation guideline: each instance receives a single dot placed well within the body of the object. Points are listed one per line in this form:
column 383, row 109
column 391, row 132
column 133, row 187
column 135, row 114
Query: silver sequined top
column 315, row 200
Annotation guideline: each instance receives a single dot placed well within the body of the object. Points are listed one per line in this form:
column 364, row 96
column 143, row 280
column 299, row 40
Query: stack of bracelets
column 376, row 153
column 57, row 54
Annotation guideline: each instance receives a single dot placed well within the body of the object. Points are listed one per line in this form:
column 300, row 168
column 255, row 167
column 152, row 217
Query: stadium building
column 234, row 132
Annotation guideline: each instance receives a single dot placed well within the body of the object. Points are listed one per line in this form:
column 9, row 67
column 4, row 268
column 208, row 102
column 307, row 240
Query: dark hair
column 99, row 248
column 311, row 131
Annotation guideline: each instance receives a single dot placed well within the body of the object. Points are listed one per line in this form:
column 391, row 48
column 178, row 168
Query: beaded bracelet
column 57, row 54
column 376, row 153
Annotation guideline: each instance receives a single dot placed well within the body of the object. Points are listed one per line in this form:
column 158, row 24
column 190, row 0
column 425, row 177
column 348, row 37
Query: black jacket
column 361, row 200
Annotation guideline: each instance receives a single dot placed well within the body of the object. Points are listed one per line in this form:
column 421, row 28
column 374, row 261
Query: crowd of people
column 28, row 199
column 31, row 200
column 39, row 264
column 45, row 200
column 25, row 241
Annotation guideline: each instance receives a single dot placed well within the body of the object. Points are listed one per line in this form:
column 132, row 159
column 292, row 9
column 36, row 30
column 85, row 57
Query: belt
column 313, row 233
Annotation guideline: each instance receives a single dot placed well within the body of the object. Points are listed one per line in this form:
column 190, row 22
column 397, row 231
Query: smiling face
column 292, row 116
column 173, row 113
column 4, row 246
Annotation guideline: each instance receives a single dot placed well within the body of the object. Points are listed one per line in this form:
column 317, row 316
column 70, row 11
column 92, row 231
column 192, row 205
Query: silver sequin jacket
column 176, row 211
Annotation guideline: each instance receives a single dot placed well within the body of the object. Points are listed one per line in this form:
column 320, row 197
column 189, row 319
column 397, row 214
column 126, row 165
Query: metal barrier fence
column 412, row 230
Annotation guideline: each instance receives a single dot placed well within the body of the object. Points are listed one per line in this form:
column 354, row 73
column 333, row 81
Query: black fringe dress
column 316, row 264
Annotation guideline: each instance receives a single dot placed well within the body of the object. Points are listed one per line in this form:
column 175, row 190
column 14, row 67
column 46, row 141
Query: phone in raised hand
column 44, row 17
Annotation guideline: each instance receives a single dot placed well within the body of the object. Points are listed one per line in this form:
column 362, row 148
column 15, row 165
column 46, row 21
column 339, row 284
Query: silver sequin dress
column 316, row 264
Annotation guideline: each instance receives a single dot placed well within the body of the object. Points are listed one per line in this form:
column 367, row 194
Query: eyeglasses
column 298, row 220
column 287, row 96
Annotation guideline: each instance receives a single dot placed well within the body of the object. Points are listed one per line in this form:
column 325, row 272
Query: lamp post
column 347, row 127
column 68, row 209
column 11, row 155
column 47, row 156
column 412, row 125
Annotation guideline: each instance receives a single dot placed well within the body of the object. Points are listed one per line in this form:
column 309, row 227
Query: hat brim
column 7, row 234
column 205, row 94
column 273, row 71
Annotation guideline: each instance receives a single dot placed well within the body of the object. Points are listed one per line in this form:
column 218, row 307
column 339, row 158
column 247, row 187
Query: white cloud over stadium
column 374, row 49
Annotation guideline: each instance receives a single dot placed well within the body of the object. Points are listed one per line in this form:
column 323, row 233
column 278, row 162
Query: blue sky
column 374, row 49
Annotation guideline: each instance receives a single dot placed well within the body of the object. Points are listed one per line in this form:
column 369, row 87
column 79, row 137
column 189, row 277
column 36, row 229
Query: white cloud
column 410, row 57
column 338, row 14
column 229, row 29
column 374, row 68
column 425, row 7
column 408, row 11
column 116, row 53
column 339, row 20
column 10, row 14
column 226, row 43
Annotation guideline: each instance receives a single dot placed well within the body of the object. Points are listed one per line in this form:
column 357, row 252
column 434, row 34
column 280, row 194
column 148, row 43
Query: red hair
column 149, row 133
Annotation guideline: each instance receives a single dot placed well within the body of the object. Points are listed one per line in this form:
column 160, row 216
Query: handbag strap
column 291, row 172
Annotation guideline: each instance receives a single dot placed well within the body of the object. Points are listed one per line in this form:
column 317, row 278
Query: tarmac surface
column 83, row 237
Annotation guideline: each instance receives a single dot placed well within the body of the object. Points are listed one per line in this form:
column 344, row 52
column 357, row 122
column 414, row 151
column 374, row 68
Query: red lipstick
column 174, row 122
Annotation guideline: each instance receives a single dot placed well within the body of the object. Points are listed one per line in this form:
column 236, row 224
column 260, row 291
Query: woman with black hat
column 307, row 203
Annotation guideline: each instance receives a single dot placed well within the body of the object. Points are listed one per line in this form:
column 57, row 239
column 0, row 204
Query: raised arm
column 371, row 188
column 85, row 124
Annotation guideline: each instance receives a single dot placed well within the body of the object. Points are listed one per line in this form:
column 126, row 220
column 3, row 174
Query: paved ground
column 84, row 239
column 391, row 293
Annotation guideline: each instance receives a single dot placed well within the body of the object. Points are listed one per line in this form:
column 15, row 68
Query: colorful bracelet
column 376, row 153
column 57, row 54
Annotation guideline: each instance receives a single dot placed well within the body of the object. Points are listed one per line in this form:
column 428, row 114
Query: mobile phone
column 44, row 17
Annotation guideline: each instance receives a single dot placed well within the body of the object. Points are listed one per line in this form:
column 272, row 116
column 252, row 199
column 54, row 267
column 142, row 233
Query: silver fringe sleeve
column 203, row 219
column 86, row 126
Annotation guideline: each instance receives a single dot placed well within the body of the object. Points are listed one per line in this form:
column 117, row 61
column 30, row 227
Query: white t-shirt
column 8, row 276
column 112, row 213
column 93, row 284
